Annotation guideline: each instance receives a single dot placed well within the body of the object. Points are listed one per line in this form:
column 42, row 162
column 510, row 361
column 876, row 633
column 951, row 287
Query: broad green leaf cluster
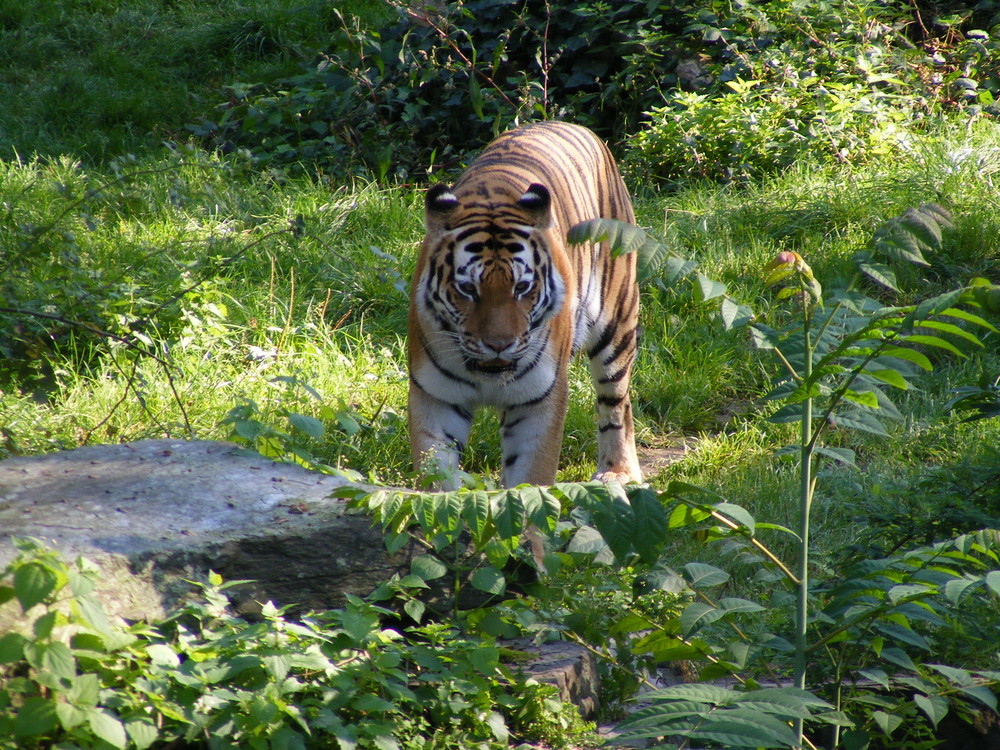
column 73, row 677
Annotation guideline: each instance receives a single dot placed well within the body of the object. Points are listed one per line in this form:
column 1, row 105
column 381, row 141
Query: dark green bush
column 727, row 91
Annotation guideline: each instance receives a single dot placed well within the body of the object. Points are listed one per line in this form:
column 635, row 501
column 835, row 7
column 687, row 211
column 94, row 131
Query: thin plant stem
column 805, row 506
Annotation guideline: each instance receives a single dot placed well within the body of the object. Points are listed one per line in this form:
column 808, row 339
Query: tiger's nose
column 499, row 344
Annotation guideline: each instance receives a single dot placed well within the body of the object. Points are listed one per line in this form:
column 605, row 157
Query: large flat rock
column 155, row 512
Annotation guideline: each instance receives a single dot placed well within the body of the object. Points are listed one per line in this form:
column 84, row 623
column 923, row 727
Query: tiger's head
column 490, row 284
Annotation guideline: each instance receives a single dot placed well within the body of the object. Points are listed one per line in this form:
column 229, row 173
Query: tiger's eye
column 467, row 288
column 521, row 288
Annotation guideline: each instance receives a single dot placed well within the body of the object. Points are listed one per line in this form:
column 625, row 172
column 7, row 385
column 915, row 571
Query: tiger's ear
column 438, row 203
column 538, row 203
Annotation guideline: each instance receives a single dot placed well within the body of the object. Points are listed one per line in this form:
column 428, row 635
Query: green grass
column 154, row 291
column 97, row 79
column 239, row 279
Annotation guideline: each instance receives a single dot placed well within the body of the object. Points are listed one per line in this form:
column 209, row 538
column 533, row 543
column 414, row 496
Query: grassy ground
column 263, row 295
column 151, row 289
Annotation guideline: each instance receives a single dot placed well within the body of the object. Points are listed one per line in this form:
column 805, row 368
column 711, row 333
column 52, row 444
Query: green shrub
column 204, row 678
column 841, row 82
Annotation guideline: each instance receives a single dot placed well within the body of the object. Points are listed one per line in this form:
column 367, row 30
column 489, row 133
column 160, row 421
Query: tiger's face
column 491, row 285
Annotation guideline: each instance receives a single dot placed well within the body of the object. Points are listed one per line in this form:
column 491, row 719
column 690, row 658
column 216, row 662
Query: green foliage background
column 208, row 217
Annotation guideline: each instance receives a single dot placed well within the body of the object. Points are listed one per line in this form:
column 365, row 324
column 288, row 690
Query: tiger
column 500, row 302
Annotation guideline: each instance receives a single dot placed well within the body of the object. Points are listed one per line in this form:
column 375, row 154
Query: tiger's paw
column 622, row 477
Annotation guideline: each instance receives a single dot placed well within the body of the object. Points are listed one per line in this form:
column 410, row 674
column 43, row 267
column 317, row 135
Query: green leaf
column 107, row 728
column 992, row 580
column 982, row 694
column 697, row 615
column 85, row 690
column 489, row 580
column 898, row 657
column 35, row 717
column 735, row 728
column 859, row 420
column 476, row 514
column 888, row 723
column 842, row 455
column 935, row 341
column 880, row 274
column 952, row 329
column 33, row 583
column 142, row 732
column 892, row 377
column 862, row 398
column 615, row 519
column 309, row 425
column 59, row 660
column 621, row 236
column 706, row 288
column 734, row 604
column 162, row 655
column 954, row 312
column 415, row 609
column 935, row 706
column 508, row 514
column 738, row 514
column 788, row 413
column 702, row 575
column 694, row 691
column 428, row 567
column 70, row 716
column 650, row 524
column 734, row 315
column 909, row 355
column 94, row 614
column 11, row 647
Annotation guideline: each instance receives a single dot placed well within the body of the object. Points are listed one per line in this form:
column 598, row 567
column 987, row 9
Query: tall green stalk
column 805, row 506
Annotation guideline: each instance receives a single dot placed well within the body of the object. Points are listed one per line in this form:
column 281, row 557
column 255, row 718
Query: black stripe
column 447, row 373
column 607, row 427
column 607, row 335
column 615, row 377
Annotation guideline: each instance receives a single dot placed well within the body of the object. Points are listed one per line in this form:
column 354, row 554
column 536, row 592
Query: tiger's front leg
column 611, row 370
column 531, row 437
column 439, row 432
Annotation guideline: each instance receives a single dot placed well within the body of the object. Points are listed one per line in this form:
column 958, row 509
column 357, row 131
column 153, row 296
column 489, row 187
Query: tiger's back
column 499, row 303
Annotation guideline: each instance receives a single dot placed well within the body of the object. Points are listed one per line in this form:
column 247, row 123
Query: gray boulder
column 153, row 513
